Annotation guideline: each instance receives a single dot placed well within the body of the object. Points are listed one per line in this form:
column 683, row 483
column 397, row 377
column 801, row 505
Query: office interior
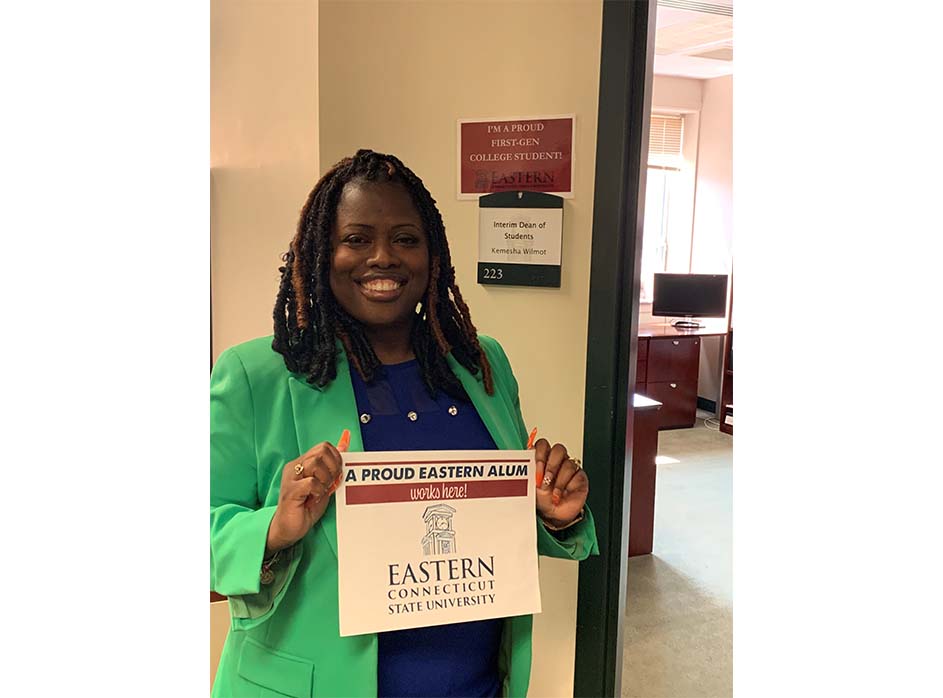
column 295, row 86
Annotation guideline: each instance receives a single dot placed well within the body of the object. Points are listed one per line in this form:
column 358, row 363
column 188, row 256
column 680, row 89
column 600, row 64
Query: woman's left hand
column 562, row 485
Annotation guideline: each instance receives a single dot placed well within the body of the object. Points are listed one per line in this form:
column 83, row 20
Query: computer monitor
column 689, row 296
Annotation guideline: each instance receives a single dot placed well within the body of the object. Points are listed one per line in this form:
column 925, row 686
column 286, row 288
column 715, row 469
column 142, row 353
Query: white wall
column 712, row 251
column 673, row 94
column 263, row 152
column 713, row 207
column 702, row 236
column 395, row 77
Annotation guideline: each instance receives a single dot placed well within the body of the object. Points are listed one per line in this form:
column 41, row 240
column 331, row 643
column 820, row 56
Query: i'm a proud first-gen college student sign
column 526, row 154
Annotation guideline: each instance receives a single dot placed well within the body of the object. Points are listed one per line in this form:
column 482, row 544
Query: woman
column 372, row 341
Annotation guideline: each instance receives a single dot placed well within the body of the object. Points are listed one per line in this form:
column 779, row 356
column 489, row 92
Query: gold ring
column 578, row 463
column 299, row 468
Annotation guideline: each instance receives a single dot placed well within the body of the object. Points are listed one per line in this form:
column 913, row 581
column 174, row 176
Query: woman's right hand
column 307, row 485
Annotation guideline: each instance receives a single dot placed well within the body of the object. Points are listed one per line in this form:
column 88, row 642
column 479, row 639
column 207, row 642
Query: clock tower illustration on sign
column 440, row 537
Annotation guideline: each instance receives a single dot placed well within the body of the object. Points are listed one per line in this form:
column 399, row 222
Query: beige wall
column 219, row 628
column 395, row 77
column 263, row 161
column 263, row 152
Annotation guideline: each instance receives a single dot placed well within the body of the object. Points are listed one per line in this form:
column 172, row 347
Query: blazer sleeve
column 578, row 542
column 238, row 523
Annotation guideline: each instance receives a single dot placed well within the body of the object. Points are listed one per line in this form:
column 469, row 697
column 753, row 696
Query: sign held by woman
column 435, row 537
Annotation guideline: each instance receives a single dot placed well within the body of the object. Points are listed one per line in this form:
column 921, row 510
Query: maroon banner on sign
column 434, row 491
column 534, row 154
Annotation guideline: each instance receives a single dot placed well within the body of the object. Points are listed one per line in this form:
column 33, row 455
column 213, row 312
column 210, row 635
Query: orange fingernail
column 345, row 440
column 555, row 499
column 530, row 441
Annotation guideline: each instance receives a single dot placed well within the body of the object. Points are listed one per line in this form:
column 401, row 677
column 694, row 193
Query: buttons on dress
column 453, row 410
column 412, row 416
column 364, row 418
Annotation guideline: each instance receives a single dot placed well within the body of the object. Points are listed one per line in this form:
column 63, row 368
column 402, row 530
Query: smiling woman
column 373, row 344
column 370, row 224
column 380, row 267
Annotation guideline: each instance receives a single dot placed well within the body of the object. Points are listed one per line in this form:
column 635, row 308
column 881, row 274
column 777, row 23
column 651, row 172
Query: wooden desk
column 644, row 445
column 712, row 328
column 668, row 366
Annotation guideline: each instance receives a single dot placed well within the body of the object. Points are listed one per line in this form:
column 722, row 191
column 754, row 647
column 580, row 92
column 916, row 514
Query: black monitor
column 689, row 296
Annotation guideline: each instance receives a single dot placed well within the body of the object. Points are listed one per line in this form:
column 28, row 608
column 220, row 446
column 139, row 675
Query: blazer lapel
column 495, row 415
column 321, row 414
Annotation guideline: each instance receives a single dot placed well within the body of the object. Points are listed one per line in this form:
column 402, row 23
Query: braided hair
column 308, row 318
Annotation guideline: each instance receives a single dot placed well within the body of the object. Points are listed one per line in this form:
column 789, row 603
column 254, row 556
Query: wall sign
column 520, row 239
column 527, row 154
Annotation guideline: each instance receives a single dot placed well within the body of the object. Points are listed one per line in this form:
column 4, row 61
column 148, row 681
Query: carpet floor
column 679, row 600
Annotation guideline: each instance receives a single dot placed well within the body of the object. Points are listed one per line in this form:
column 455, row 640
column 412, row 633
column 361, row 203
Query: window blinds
column 664, row 141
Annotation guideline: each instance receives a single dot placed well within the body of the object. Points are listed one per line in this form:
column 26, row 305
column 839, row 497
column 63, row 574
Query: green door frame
column 625, row 86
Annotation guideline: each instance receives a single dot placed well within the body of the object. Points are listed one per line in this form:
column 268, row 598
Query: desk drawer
column 642, row 348
column 673, row 359
column 679, row 402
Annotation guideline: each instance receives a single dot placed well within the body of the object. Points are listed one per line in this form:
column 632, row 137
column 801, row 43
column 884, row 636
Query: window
column 664, row 141
column 655, row 235
column 665, row 163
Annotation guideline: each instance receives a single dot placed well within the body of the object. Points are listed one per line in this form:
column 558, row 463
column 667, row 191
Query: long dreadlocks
column 308, row 318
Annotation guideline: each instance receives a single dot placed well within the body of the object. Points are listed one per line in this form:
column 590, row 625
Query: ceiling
column 694, row 39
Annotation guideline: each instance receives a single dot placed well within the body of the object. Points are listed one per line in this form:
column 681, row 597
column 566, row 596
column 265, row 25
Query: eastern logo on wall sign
column 439, row 538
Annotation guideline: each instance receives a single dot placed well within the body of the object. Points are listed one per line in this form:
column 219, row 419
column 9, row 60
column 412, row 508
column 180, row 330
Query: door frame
column 625, row 96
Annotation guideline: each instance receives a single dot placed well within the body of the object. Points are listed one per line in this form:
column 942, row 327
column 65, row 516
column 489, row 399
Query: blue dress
column 397, row 413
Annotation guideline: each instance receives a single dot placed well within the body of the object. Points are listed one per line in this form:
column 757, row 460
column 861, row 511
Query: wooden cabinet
column 641, row 369
column 726, row 382
column 644, row 445
column 679, row 403
column 726, row 393
column 673, row 359
column 667, row 371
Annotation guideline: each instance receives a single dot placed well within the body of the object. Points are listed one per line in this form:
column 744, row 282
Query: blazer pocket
column 279, row 672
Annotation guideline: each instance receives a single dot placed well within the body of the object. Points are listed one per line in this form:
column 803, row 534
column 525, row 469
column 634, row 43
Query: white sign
column 435, row 537
column 520, row 235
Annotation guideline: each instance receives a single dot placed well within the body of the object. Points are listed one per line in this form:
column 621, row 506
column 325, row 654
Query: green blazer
column 284, row 636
